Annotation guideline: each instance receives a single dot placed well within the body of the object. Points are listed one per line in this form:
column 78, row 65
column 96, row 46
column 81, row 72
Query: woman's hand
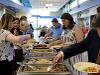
column 58, row 58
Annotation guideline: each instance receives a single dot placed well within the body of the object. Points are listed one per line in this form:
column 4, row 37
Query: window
column 73, row 4
column 82, row 1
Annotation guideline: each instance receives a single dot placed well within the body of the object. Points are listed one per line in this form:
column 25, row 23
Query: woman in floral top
column 6, row 38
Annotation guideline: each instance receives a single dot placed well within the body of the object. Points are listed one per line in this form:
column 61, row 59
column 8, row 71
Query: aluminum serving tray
column 42, row 46
column 40, row 70
column 42, row 50
column 42, row 55
column 36, row 61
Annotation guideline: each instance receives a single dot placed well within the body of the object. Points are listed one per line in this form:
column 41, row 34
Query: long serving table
column 38, row 61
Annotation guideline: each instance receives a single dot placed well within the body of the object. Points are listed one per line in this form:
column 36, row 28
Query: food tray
column 59, row 69
column 40, row 46
column 42, row 55
column 42, row 50
column 36, row 61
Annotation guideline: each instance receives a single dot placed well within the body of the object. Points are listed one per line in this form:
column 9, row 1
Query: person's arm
column 47, row 35
column 55, row 43
column 73, row 49
column 12, row 38
column 70, row 51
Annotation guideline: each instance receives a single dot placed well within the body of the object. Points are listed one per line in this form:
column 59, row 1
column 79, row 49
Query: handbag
column 19, row 55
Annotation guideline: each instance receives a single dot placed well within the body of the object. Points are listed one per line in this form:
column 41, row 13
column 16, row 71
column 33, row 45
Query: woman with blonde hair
column 6, row 38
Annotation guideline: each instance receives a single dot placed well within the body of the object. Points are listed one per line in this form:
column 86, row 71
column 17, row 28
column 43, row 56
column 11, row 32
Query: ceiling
column 52, row 5
column 35, row 5
column 13, row 6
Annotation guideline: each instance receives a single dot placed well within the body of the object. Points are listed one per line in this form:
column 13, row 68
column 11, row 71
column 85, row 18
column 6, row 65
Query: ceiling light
column 48, row 5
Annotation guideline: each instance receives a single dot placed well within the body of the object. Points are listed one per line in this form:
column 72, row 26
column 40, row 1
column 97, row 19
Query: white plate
column 82, row 66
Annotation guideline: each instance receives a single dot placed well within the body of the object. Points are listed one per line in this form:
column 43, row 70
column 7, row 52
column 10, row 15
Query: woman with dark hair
column 98, row 9
column 6, row 49
column 15, row 30
column 91, row 44
column 69, row 31
column 71, row 34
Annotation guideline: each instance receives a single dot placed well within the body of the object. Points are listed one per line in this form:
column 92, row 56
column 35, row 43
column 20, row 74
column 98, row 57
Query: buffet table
column 38, row 61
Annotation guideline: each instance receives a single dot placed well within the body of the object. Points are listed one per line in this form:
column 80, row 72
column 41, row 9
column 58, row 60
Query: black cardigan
column 91, row 44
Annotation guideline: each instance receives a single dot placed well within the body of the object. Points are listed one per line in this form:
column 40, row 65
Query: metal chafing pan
column 42, row 55
column 42, row 50
column 42, row 70
column 40, row 46
column 36, row 61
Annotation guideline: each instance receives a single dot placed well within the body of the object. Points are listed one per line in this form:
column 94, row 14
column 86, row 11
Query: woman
column 15, row 30
column 91, row 44
column 6, row 38
column 18, row 50
column 71, row 34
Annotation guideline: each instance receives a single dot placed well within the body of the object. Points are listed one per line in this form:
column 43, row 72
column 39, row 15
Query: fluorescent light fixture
column 17, row 2
column 39, row 12
column 48, row 5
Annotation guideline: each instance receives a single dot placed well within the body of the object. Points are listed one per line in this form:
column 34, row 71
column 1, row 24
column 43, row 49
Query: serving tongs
column 25, row 65
column 53, row 65
column 50, row 67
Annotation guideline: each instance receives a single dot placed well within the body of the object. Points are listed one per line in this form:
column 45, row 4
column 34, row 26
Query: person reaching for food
column 91, row 44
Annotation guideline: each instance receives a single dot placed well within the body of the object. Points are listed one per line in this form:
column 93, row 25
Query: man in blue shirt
column 55, row 30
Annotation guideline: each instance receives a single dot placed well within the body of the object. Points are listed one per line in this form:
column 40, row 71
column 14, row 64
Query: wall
column 20, row 13
column 93, row 10
column 2, row 10
column 10, row 11
column 86, row 5
column 85, row 15
column 56, row 13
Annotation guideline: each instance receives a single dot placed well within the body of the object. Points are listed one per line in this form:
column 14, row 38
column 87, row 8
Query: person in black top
column 91, row 44
column 43, row 31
